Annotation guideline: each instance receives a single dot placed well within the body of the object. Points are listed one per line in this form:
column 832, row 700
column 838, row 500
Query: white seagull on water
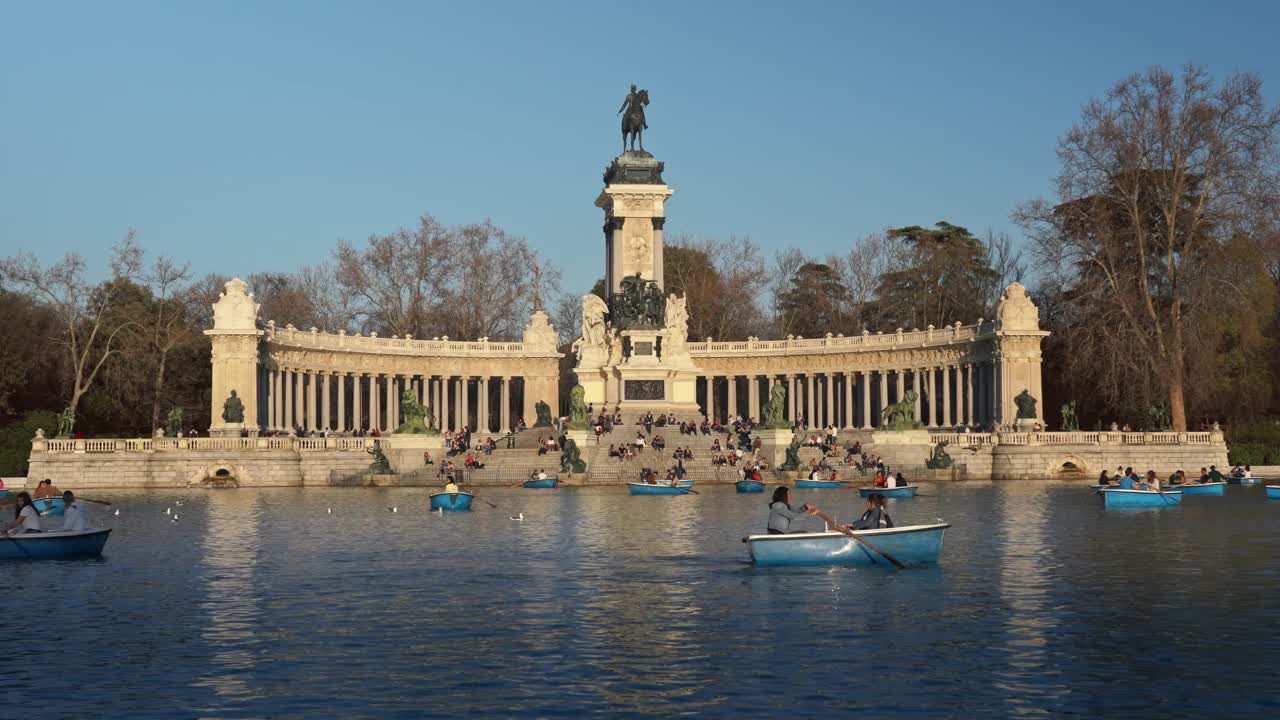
column 519, row 517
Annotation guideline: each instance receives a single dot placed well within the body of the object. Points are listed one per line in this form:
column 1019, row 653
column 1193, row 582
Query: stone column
column 342, row 402
column 272, row 400
column 753, row 397
column 732, row 382
column 932, row 405
column 810, row 398
column 915, row 385
column 902, row 381
column 968, row 393
column 483, row 409
column 504, row 415
column 711, row 398
column 830, row 414
column 465, row 398
column 848, row 401
column 357, row 387
column 286, row 397
column 300, row 397
column 372, row 410
column 884, row 392
column 325, row 394
column 445, row 416
column 791, row 397
column 946, row 395
column 866, row 400
column 960, row 394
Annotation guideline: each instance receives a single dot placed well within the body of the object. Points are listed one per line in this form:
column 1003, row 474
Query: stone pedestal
column 901, row 437
column 773, row 445
column 226, row 429
column 405, row 451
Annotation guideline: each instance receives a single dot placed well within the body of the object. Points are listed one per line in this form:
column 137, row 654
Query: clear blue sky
column 250, row 136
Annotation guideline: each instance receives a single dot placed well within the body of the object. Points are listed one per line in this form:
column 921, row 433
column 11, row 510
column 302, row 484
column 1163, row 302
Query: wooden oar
column 486, row 502
column 858, row 538
column 100, row 502
column 688, row 490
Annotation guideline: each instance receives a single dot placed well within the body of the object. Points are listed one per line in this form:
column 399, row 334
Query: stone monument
column 633, row 351
column 234, row 338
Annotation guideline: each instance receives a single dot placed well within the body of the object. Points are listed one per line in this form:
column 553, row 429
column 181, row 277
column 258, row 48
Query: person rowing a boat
column 74, row 518
column 1150, row 482
column 1129, row 480
column 875, row 517
column 26, row 519
column 451, row 486
column 1214, row 474
column 781, row 514
column 46, row 490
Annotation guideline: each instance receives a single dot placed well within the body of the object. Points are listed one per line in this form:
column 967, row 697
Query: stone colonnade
column 947, row 395
column 344, row 401
column 316, row 381
column 961, row 374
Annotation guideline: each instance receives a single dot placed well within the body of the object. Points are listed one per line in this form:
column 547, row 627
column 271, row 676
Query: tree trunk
column 155, row 401
column 1177, row 371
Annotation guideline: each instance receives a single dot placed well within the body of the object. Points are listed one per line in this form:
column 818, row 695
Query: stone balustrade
column 841, row 343
column 205, row 444
column 316, row 340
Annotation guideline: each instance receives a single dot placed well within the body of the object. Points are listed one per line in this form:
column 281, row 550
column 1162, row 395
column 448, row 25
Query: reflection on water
column 231, row 544
column 265, row 604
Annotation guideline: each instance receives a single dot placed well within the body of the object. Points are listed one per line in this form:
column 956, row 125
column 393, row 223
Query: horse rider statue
column 633, row 122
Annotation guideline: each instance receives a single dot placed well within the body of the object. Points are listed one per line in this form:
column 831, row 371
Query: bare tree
column 167, row 324
column 786, row 263
column 1008, row 264
column 399, row 280
column 1154, row 177
column 88, row 327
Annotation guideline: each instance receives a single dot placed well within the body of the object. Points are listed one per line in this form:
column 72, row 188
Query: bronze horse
column 633, row 122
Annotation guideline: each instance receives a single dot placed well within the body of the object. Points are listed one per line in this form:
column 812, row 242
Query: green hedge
column 1253, row 454
column 15, row 441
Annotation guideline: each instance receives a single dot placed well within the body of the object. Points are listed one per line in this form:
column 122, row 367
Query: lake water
column 262, row 604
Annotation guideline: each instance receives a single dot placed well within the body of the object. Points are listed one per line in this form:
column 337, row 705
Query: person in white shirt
column 74, row 517
column 890, row 480
column 26, row 519
column 542, row 474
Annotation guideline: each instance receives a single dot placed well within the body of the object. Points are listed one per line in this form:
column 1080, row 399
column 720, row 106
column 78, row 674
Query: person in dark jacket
column 781, row 514
column 875, row 517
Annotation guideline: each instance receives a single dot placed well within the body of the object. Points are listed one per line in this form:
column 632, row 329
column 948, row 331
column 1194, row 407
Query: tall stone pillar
column 753, row 397
column 866, row 400
column 932, row 405
column 504, row 419
column 711, row 398
column 309, row 381
column 810, row 400
column 791, row 397
column 732, row 401
column 959, row 414
column 300, row 397
column 234, row 338
column 342, row 402
column 946, row 395
column 325, row 394
column 482, row 409
column 357, row 386
column 884, row 394
column 446, row 417
column 1016, row 354
column 273, row 399
column 902, row 381
column 915, row 385
column 831, row 402
column 968, row 393
column 848, row 401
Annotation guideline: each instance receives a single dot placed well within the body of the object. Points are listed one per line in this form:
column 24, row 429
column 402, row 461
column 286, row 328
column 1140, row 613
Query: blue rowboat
column 1116, row 498
column 541, row 484
column 451, row 502
column 1203, row 488
column 902, row 491
column 53, row 545
column 1273, row 492
column 818, row 484
column 49, row 506
column 909, row 545
column 1099, row 488
column 685, row 483
column 749, row 486
column 1242, row 480
column 647, row 489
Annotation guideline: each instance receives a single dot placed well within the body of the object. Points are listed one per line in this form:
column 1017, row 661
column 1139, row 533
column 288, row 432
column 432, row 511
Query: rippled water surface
column 262, row 604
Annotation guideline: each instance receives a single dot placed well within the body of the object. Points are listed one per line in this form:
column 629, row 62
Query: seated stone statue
column 939, row 460
column 774, row 413
column 418, row 420
column 233, row 409
column 902, row 414
column 578, row 419
column 571, row 458
column 544, row 414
